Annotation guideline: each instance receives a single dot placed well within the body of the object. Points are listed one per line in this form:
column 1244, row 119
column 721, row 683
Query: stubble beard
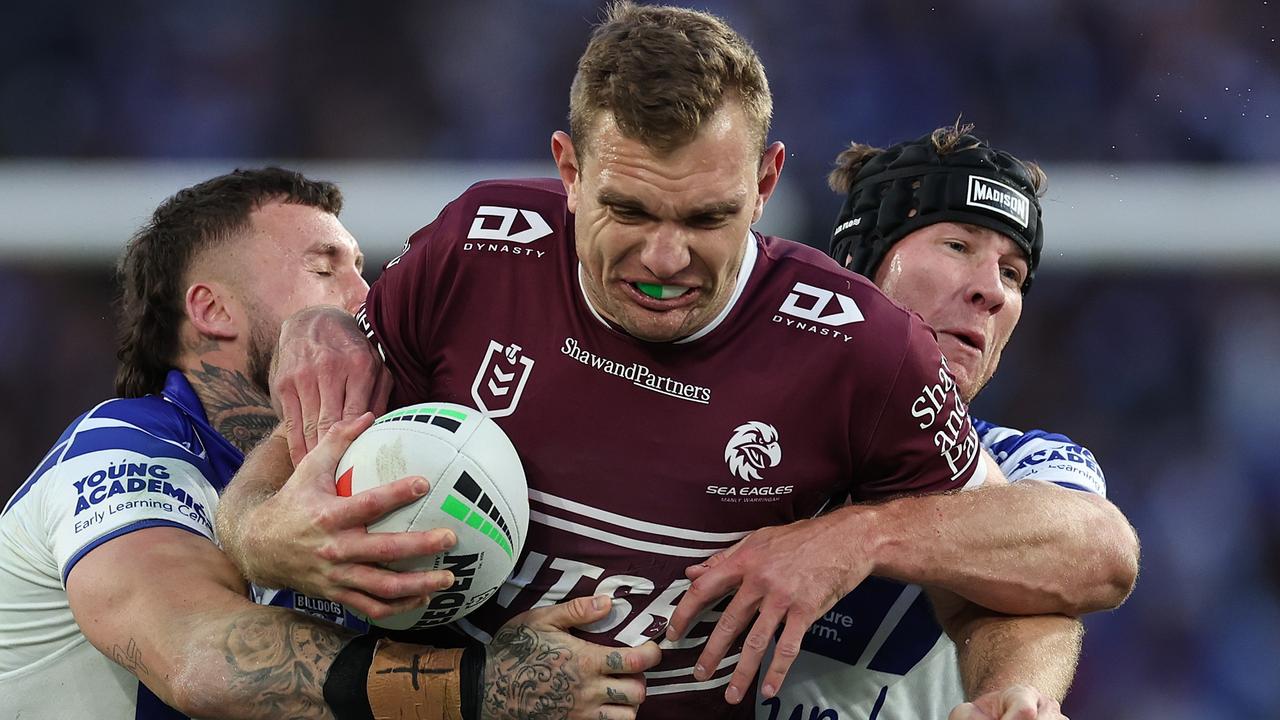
column 263, row 336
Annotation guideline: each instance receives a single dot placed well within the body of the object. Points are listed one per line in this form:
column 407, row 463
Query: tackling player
column 950, row 228
column 667, row 377
column 114, row 598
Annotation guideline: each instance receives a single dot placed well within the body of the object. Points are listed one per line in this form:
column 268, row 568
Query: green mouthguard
column 653, row 290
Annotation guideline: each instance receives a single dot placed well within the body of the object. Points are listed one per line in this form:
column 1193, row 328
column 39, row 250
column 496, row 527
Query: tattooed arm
column 170, row 608
column 537, row 670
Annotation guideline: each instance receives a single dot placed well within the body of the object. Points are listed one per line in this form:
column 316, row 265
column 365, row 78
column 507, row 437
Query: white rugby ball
column 478, row 490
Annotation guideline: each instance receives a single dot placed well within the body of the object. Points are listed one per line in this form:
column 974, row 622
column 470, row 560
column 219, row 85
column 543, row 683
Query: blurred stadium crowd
column 1169, row 375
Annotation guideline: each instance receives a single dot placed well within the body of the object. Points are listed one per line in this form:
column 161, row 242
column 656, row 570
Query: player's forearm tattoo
column 527, row 676
column 238, row 408
column 130, row 658
column 280, row 659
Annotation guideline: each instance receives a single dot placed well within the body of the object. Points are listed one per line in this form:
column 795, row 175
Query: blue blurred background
column 1152, row 336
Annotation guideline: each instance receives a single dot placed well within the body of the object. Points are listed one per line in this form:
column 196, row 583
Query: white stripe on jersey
column 686, row 687
column 633, row 523
column 679, row 672
column 621, row 541
column 99, row 423
column 891, row 618
column 997, row 434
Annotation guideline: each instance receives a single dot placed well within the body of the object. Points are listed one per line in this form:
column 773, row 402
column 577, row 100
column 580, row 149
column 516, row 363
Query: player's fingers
column 712, row 585
column 625, row 661
column 323, row 462
column 732, row 623
column 376, row 608
column 693, row 572
column 968, row 711
column 386, row 547
column 615, row 712
column 573, row 613
column 753, row 649
column 362, row 381
column 291, row 417
column 1022, row 712
column 621, row 690
column 382, row 391
column 385, row 584
column 1021, row 703
column 785, row 652
column 309, row 402
column 331, row 407
column 610, row 663
column 369, row 505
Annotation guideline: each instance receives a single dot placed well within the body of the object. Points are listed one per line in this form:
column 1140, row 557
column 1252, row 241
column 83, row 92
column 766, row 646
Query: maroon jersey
column 644, row 458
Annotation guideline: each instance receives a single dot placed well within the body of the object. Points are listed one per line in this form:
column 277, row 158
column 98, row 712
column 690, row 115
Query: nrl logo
column 501, row 379
column 753, row 447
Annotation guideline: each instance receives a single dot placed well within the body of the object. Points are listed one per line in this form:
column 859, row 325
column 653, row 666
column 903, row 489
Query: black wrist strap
column 471, row 681
column 346, row 689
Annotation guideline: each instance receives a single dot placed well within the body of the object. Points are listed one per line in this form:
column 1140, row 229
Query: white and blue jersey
column 126, row 465
column 880, row 654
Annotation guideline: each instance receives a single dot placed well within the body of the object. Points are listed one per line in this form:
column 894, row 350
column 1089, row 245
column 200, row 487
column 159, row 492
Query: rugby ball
column 478, row 490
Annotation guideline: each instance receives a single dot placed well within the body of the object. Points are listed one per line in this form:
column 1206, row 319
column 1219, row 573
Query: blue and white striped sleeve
column 117, row 474
column 1040, row 455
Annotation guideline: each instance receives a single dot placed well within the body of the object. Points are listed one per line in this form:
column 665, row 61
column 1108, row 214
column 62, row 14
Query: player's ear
column 566, row 158
column 767, row 176
column 211, row 312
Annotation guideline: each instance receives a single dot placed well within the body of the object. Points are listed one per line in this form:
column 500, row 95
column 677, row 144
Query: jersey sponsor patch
column 128, row 488
column 1063, row 464
column 638, row 373
column 940, row 410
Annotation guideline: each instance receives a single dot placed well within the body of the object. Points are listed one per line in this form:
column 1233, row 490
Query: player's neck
column 236, row 407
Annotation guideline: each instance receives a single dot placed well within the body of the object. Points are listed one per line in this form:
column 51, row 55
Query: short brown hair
column 152, row 271
column 946, row 140
column 662, row 71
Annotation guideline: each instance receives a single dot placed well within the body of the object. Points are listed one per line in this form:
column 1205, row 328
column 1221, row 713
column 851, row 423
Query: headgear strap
column 975, row 184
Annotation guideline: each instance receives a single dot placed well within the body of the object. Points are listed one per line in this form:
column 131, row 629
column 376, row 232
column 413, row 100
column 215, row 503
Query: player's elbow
column 1111, row 564
column 1120, row 561
column 196, row 692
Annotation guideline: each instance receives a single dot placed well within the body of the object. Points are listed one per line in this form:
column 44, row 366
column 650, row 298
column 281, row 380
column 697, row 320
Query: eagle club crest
column 753, row 447
column 501, row 379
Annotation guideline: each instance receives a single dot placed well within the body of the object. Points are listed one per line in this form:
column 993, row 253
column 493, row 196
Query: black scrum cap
column 973, row 184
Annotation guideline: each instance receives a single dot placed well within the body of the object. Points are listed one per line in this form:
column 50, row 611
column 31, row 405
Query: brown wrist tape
column 415, row 682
